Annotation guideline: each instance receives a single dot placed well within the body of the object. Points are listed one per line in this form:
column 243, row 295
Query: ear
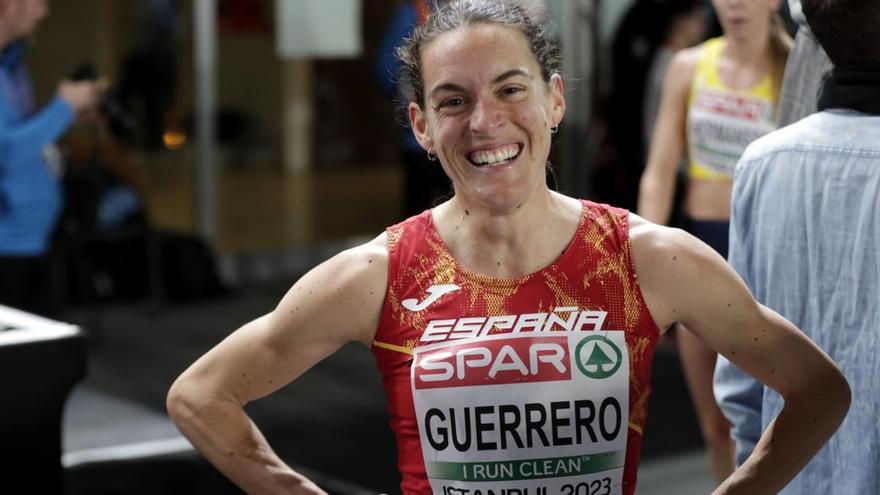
column 419, row 126
column 557, row 99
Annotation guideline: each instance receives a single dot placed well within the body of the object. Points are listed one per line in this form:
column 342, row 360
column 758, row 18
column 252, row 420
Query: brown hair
column 780, row 46
column 460, row 13
column 846, row 29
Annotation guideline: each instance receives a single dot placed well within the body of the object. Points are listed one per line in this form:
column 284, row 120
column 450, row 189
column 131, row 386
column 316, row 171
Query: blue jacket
column 30, row 190
column 405, row 19
column 805, row 237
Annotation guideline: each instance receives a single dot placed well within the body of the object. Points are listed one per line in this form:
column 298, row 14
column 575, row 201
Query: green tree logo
column 598, row 357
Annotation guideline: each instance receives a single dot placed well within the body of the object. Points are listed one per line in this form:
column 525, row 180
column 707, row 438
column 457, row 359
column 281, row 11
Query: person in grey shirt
column 805, row 236
column 806, row 66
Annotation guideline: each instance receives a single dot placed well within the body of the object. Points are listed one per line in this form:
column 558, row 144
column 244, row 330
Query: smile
column 495, row 157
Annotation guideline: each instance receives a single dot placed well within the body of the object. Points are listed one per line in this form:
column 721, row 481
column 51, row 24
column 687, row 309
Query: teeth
column 494, row 156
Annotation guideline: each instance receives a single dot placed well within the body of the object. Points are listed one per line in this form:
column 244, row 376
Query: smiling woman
column 509, row 312
column 488, row 116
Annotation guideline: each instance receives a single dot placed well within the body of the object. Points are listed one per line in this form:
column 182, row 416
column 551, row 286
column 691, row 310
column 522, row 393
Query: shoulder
column 401, row 236
column 601, row 214
column 702, row 58
column 599, row 220
column 689, row 57
column 657, row 244
column 760, row 149
column 807, row 134
column 364, row 271
column 668, row 263
column 363, row 262
column 686, row 60
column 343, row 296
column 357, row 269
column 682, row 68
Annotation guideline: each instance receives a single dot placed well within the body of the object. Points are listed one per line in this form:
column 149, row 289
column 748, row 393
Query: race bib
column 521, row 414
column 723, row 125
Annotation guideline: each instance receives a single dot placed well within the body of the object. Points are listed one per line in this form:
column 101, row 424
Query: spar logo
column 598, row 357
column 493, row 362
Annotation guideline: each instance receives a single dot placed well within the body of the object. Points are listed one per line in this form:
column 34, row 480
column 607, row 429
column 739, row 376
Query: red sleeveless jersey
column 534, row 385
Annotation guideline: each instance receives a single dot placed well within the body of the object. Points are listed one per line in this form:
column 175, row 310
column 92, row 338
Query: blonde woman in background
column 717, row 98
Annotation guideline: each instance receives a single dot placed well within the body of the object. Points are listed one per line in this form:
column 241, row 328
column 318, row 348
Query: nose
column 485, row 117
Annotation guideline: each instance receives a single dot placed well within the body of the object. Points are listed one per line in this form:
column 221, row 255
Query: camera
column 119, row 120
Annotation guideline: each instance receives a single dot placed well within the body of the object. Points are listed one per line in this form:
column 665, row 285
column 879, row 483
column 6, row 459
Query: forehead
column 475, row 49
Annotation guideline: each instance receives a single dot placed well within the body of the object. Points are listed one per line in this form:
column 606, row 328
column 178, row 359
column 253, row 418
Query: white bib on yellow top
column 721, row 122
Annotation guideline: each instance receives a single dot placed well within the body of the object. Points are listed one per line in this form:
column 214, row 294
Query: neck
column 513, row 243
column 852, row 87
column 748, row 51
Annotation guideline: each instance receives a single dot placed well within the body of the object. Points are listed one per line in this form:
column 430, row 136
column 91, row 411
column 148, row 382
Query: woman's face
column 744, row 19
column 487, row 113
column 29, row 14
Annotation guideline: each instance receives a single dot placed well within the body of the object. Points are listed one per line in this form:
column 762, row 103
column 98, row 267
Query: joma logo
column 434, row 292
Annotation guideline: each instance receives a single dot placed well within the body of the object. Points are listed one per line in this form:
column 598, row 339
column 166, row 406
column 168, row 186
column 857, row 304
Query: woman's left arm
column 685, row 280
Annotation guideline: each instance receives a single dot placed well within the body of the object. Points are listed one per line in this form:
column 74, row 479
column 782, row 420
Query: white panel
column 318, row 28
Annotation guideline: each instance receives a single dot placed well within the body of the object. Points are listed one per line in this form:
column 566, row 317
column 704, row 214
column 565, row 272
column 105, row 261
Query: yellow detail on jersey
column 393, row 347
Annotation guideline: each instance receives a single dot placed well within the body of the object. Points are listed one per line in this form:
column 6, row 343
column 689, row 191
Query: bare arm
column 337, row 302
column 685, row 280
column 657, row 185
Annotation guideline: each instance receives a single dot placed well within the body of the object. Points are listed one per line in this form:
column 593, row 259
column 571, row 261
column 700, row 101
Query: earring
column 554, row 129
column 432, row 157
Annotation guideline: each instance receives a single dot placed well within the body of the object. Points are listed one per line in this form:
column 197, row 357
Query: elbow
column 177, row 403
column 839, row 400
column 831, row 391
column 843, row 396
column 190, row 401
column 838, row 390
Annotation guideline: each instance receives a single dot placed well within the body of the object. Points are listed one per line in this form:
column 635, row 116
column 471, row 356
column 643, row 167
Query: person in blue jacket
column 425, row 183
column 30, row 163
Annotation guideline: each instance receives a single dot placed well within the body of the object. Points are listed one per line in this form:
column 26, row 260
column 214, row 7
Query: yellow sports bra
column 721, row 122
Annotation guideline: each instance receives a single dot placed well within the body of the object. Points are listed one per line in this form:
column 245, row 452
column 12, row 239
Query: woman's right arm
column 337, row 302
column 657, row 185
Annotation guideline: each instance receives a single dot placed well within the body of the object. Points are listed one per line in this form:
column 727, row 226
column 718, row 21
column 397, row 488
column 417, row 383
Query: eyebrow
column 504, row 76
